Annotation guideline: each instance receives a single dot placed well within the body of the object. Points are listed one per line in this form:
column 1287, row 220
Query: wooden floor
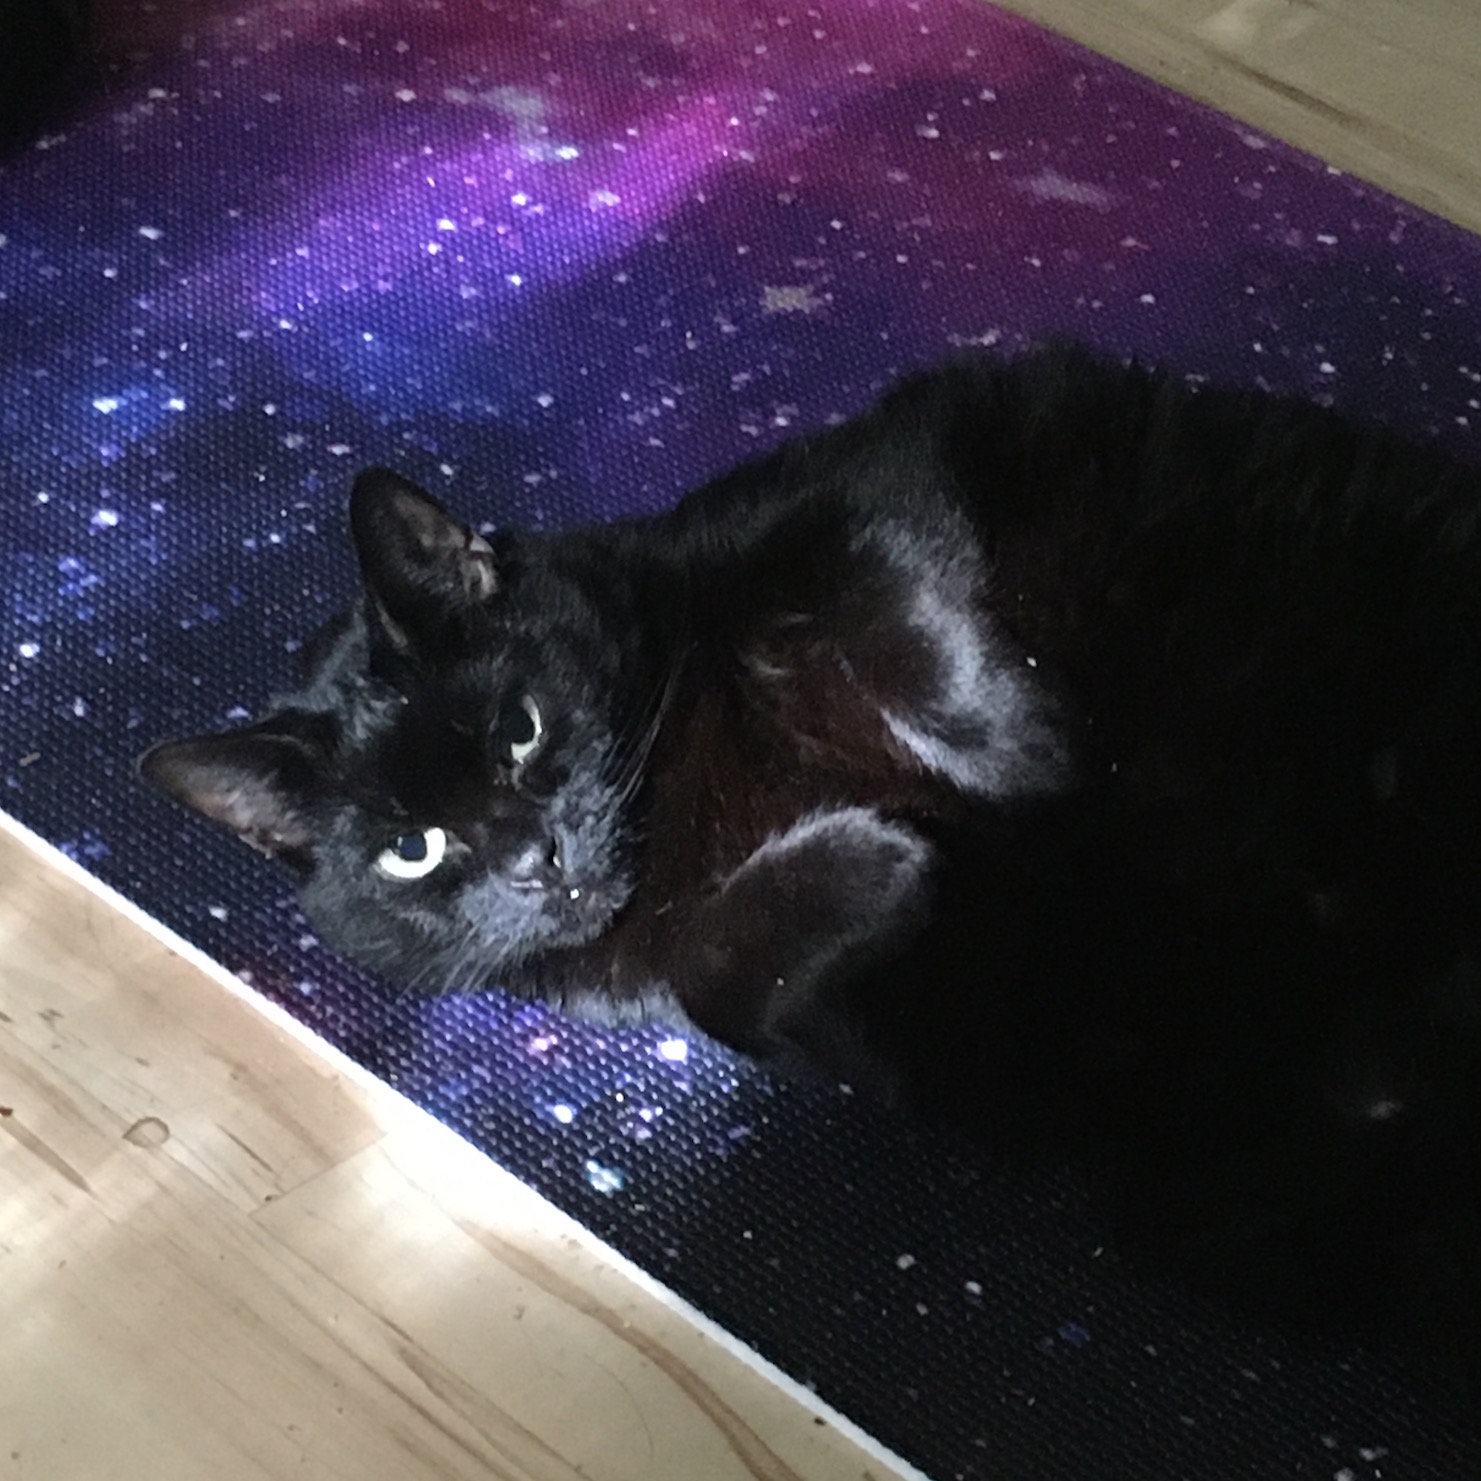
column 1387, row 90
column 226, row 1255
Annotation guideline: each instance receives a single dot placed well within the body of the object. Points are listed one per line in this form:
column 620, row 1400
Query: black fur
column 1055, row 748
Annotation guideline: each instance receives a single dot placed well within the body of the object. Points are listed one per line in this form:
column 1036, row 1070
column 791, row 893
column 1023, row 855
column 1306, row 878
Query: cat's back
column 1131, row 524
column 1268, row 615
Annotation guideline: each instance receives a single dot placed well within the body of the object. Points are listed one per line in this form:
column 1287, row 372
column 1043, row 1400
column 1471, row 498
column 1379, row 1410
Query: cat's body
column 1084, row 758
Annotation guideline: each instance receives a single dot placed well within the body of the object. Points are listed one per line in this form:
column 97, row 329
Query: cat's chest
column 905, row 674
column 803, row 722
column 879, row 679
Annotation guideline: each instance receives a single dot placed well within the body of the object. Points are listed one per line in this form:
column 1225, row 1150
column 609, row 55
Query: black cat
column 1086, row 758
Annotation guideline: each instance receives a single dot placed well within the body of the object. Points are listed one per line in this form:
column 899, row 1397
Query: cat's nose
column 535, row 866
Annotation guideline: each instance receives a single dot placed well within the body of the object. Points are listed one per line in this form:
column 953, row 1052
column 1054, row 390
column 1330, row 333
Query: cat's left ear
column 264, row 782
column 420, row 566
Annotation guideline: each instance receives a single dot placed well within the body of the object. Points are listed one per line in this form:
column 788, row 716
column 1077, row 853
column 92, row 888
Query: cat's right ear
column 263, row 782
column 421, row 567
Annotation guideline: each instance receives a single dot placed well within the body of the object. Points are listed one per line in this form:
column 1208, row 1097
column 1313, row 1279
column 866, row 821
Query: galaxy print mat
column 565, row 260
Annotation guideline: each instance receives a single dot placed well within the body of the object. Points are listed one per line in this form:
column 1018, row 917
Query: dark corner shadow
column 57, row 56
column 46, row 65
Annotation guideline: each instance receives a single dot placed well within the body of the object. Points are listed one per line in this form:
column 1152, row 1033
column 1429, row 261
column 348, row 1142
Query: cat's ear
column 420, row 566
column 262, row 782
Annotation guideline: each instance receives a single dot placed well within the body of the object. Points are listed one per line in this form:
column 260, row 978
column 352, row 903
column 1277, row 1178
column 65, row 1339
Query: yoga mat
column 565, row 260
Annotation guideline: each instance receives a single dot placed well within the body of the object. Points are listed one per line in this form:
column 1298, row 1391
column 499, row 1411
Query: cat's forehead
column 435, row 766
column 466, row 697
column 417, row 751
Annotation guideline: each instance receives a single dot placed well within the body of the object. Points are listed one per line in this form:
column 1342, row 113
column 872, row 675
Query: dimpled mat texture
column 563, row 260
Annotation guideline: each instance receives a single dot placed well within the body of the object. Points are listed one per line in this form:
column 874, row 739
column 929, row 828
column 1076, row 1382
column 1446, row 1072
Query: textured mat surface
column 566, row 260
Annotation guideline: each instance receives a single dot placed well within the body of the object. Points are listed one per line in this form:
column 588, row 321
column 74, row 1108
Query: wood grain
column 225, row 1254
column 1387, row 90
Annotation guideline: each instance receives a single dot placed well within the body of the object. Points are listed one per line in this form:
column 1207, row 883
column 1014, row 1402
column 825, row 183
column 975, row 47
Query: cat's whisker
column 432, row 974
column 629, row 757
column 639, row 738
column 456, row 972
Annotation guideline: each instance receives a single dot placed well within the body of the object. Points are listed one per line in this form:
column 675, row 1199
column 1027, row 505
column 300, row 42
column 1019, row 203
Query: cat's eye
column 519, row 730
column 413, row 855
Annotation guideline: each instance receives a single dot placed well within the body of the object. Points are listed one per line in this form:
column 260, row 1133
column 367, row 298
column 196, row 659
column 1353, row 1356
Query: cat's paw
column 764, row 963
column 846, row 871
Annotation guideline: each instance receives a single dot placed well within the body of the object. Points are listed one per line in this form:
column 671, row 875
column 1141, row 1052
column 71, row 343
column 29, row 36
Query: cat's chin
column 563, row 917
column 580, row 914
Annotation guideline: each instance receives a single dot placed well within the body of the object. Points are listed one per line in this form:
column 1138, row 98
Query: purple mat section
column 563, row 260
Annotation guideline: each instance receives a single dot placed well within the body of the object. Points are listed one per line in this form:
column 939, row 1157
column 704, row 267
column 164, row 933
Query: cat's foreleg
column 764, row 961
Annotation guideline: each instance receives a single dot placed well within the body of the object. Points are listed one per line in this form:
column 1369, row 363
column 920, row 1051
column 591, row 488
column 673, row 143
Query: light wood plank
column 223, row 1255
column 1387, row 90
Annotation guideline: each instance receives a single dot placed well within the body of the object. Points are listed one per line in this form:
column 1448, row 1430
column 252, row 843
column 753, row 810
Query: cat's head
column 454, row 781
